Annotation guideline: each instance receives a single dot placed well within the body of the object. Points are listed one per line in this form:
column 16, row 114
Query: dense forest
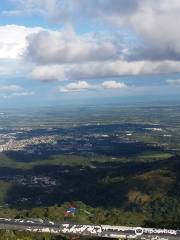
column 123, row 193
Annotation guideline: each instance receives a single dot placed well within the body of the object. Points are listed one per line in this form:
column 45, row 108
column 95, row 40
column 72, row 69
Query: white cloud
column 83, row 85
column 8, row 91
column 113, row 85
column 10, row 88
column 13, row 40
column 65, row 55
column 66, row 46
column 12, row 46
column 101, row 70
column 153, row 21
column 75, row 87
column 49, row 73
column 175, row 82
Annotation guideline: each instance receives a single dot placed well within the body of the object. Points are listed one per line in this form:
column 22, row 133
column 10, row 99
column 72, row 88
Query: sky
column 62, row 51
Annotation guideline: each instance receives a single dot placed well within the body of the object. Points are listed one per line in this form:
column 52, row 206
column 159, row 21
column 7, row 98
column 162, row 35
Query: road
column 104, row 231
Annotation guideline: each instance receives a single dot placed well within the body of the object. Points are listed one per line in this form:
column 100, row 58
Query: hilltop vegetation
column 133, row 194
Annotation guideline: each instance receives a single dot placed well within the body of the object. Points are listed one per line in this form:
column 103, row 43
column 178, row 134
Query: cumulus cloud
column 66, row 55
column 13, row 44
column 152, row 21
column 113, row 85
column 49, row 73
column 156, row 50
column 66, row 46
column 13, row 40
column 155, row 24
column 75, row 87
column 84, row 85
column 101, row 70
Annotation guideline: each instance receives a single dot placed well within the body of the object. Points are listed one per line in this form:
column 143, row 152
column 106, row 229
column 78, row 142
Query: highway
column 104, row 231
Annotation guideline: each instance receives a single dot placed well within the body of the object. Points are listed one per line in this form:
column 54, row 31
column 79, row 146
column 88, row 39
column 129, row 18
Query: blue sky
column 60, row 51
